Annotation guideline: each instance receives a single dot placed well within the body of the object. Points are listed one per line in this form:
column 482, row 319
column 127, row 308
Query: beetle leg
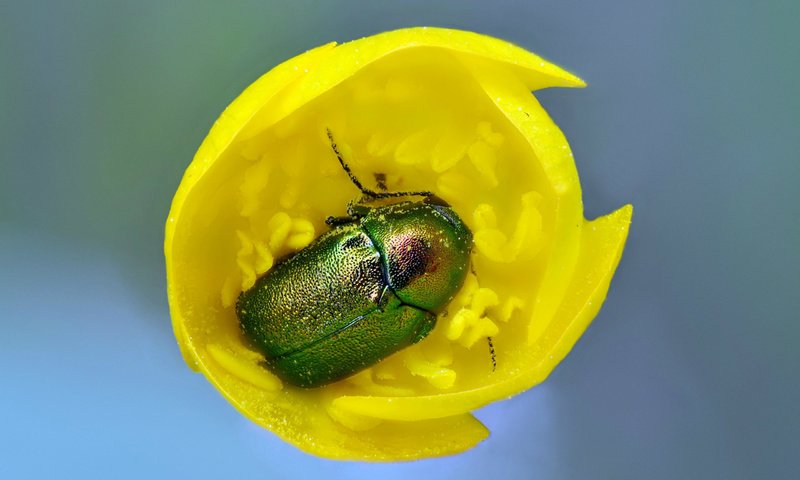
column 335, row 222
column 491, row 351
column 355, row 212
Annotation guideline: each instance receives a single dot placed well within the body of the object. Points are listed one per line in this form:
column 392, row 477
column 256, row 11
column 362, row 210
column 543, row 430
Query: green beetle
column 368, row 288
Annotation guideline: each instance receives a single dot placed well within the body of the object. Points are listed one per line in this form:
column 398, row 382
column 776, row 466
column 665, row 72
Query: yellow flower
column 432, row 109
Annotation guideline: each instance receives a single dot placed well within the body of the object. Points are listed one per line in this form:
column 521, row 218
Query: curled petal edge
column 395, row 437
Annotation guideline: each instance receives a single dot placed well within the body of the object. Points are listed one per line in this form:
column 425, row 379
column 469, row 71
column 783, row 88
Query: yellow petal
column 264, row 179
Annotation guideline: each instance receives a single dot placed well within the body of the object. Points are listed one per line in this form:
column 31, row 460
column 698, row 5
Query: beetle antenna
column 367, row 192
column 346, row 167
column 491, row 351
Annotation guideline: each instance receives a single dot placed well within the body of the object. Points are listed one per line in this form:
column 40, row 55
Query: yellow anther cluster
column 525, row 240
column 255, row 181
column 449, row 150
column 493, row 138
column 415, row 148
column 454, row 185
column 484, row 159
column 470, row 322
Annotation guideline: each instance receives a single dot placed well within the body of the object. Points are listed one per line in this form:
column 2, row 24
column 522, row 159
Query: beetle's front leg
column 336, row 222
column 355, row 212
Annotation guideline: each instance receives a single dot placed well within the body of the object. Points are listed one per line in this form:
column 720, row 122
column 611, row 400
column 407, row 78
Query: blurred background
column 691, row 114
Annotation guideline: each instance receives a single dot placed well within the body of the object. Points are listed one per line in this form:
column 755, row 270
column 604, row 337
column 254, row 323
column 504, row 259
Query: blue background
column 691, row 114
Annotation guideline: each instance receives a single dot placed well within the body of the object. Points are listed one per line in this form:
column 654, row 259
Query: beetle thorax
column 408, row 257
column 425, row 252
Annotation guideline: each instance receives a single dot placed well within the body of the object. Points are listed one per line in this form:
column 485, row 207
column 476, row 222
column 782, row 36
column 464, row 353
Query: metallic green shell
column 356, row 294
